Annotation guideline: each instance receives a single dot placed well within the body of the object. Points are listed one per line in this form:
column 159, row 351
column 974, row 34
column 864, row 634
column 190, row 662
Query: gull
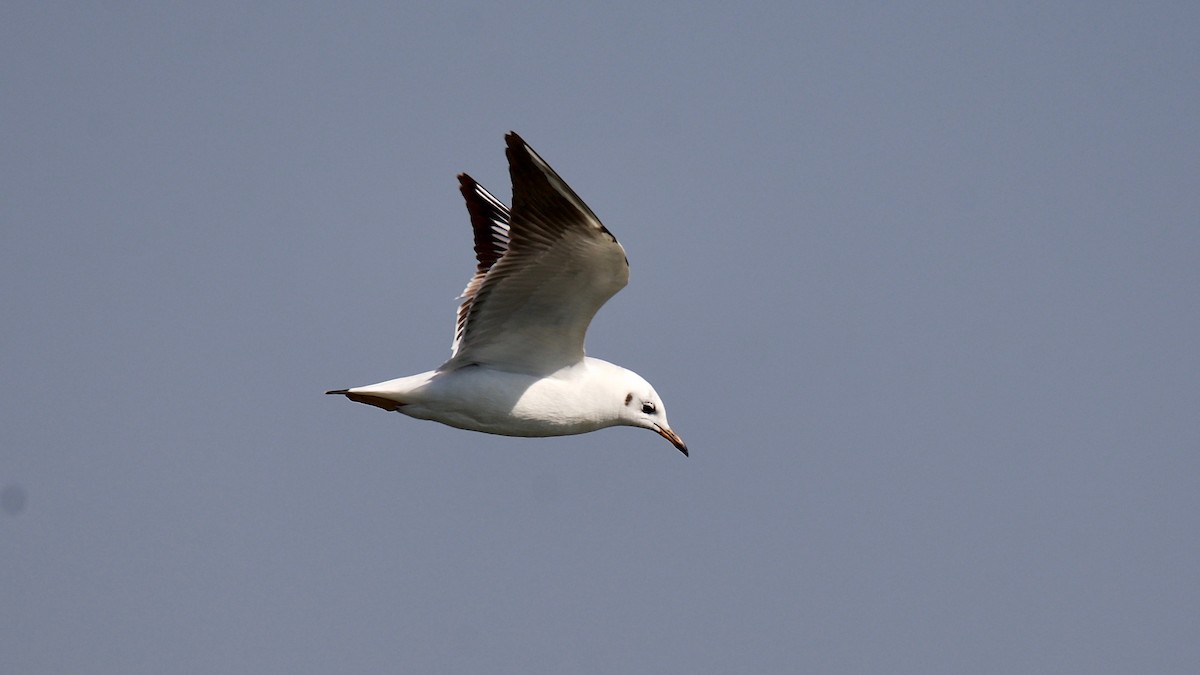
column 517, row 365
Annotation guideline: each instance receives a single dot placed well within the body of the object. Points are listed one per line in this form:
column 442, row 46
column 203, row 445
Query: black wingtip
column 467, row 186
column 517, row 147
column 338, row 391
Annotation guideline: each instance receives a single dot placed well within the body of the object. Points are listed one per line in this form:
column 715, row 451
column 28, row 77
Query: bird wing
column 489, row 219
column 542, row 274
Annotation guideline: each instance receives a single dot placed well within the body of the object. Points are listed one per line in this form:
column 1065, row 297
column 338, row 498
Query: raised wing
column 531, row 309
column 489, row 220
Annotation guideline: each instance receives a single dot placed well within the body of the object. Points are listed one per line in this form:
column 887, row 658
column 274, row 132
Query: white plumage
column 517, row 365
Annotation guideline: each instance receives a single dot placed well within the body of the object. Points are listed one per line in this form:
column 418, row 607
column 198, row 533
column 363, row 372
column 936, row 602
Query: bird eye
column 648, row 408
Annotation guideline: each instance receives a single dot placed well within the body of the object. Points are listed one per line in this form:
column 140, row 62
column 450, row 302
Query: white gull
column 517, row 365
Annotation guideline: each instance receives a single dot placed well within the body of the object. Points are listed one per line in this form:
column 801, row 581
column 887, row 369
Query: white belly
column 513, row 404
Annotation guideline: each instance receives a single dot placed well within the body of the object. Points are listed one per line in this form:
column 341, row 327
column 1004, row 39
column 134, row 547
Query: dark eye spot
column 628, row 398
column 648, row 408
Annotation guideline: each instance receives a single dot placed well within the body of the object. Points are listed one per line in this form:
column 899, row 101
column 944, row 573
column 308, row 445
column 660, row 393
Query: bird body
column 517, row 364
column 509, row 404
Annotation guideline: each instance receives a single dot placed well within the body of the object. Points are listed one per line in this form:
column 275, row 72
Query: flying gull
column 517, row 365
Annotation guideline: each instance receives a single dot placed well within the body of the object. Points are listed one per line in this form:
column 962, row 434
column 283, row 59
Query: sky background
column 919, row 284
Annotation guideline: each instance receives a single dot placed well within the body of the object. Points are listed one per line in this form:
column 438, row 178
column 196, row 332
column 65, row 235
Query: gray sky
column 920, row 287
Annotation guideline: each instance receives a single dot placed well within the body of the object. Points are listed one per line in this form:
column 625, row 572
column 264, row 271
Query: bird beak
column 676, row 441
